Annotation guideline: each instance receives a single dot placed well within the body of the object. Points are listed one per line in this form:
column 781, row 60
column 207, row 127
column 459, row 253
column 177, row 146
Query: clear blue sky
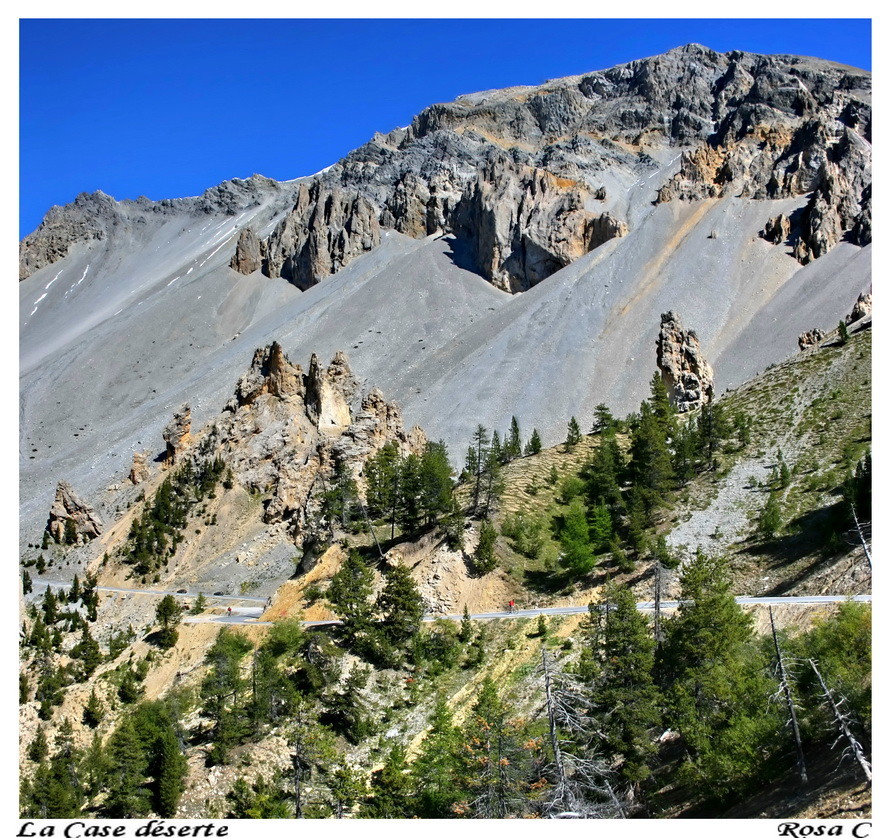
column 168, row 108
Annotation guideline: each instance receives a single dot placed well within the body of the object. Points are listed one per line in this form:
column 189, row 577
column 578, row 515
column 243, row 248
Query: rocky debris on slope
column 862, row 308
column 66, row 507
column 327, row 228
column 139, row 471
column 247, row 257
column 810, row 339
column 686, row 374
column 777, row 230
column 287, row 434
column 177, row 434
column 526, row 224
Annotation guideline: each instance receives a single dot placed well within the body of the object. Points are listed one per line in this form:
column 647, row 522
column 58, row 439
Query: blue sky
column 168, row 108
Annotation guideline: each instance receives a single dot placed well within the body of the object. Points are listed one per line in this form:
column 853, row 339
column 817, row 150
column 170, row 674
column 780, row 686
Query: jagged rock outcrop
column 270, row 372
column 686, row 374
column 327, row 228
column 248, row 257
column 862, row 308
column 139, row 471
column 777, row 229
column 810, row 339
column 177, row 434
column 286, row 433
column 85, row 524
column 526, row 224
column 82, row 221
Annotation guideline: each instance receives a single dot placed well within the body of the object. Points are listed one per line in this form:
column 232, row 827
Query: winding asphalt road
column 248, row 614
column 243, row 617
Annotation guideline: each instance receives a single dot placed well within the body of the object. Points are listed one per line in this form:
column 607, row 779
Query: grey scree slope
column 120, row 332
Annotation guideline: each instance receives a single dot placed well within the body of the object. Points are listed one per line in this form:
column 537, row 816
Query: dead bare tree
column 861, row 534
column 785, row 689
column 579, row 783
column 841, row 719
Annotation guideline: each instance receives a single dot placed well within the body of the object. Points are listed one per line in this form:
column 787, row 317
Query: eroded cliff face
column 286, row 432
column 517, row 172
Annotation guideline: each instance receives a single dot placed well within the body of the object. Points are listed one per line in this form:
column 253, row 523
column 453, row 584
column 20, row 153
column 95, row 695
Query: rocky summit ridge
column 530, row 178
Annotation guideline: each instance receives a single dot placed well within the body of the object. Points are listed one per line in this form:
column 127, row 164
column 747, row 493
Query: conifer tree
column 513, row 446
column 170, row 769
column 127, row 795
column 39, row 748
column 623, row 688
column 400, row 607
column 466, row 626
column 494, row 760
column 27, row 586
column 93, row 712
column 603, row 420
column 534, row 443
column 574, row 535
column 484, row 559
column 390, row 789
column 573, row 433
column 717, row 690
column 436, row 771
column 350, row 595
column 346, row 785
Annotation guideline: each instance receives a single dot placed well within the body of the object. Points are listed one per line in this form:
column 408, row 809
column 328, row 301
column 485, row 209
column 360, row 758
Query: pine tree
column 391, row 788
column 94, row 712
column 200, row 604
column 602, row 473
column 170, row 769
column 400, row 606
column 87, row 651
column 26, row 583
column 75, row 592
column 494, row 762
column 603, row 420
column 127, row 795
column 436, row 482
column 624, row 691
column 38, row 750
column 466, row 627
column 484, row 558
column 513, row 447
column 600, row 528
column 842, row 332
column 436, row 771
column 573, row 433
column 346, row 785
column 770, row 521
column 478, row 460
column 350, row 595
column 168, row 613
column 717, row 690
column 534, row 443
column 574, row 535
column 713, row 428
column 650, row 465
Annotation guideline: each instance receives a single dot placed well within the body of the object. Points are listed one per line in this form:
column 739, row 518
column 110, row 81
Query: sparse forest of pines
column 409, row 492
column 156, row 533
